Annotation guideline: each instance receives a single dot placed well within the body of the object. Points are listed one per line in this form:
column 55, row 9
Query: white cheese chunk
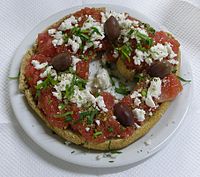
column 51, row 31
column 37, row 65
column 98, row 122
column 137, row 101
column 139, row 57
column 75, row 60
column 82, row 97
column 68, row 23
column 75, row 43
column 140, row 114
column 153, row 91
column 103, row 78
column 87, row 129
column 100, row 103
column 159, row 51
column 135, row 94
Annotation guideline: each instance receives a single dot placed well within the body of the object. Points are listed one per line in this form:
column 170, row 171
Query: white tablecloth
column 20, row 156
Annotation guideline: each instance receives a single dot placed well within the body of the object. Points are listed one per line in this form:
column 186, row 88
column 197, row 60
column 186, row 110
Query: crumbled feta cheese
column 173, row 61
column 51, row 31
column 100, row 103
column 97, row 122
column 75, row 60
column 137, row 101
column 46, row 72
column 58, row 95
column 65, row 79
column 39, row 82
column 148, row 60
column 68, row 23
column 103, row 78
column 137, row 126
column 139, row 57
column 114, row 117
column 75, row 43
column 159, row 51
column 82, row 97
column 140, row 114
column 170, row 51
column 37, row 65
column 153, row 91
column 115, row 54
column 147, row 142
column 135, row 94
column 87, row 129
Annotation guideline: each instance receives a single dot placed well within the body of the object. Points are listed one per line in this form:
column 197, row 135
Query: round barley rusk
column 75, row 138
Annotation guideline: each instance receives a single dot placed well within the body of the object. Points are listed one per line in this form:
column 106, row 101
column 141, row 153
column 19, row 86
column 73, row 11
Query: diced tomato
column 45, row 45
column 171, row 87
column 108, row 100
column 32, row 74
column 127, row 100
column 162, row 37
column 82, row 69
column 49, row 105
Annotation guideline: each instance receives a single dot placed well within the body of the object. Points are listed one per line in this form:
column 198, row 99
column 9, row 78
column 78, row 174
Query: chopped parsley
column 63, row 115
column 90, row 115
column 61, row 106
column 182, row 79
column 96, row 134
column 14, row 77
column 125, row 51
column 95, row 30
column 122, row 89
column 69, row 90
column 144, row 92
column 110, row 129
column 48, row 81
column 138, row 77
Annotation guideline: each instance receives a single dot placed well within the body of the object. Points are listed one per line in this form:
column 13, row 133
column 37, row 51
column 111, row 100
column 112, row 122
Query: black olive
column 124, row 114
column 61, row 62
column 159, row 69
column 112, row 28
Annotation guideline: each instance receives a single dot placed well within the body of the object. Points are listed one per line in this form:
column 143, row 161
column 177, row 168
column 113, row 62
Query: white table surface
column 20, row 156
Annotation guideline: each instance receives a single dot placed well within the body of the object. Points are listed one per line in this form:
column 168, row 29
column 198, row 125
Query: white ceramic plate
column 134, row 153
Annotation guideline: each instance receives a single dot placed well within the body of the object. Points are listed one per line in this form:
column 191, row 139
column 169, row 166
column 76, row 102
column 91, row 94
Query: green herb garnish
column 96, row 134
column 63, row 115
column 125, row 51
column 182, row 79
column 115, row 152
column 48, row 81
column 95, row 30
column 122, row 89
column 110, row 129
column 138, row 77
column 144, row 92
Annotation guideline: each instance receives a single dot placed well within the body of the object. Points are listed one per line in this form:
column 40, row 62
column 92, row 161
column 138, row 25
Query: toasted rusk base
column 75, row 138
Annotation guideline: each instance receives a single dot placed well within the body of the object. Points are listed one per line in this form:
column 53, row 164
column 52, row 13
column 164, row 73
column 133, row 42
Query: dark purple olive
column 159, row 69
column 62, row 61
column 124, row 114
column 112, row 28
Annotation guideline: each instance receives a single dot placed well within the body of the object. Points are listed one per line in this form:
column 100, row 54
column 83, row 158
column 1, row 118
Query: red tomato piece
column 171, row 87
column 32, row 74
column 127, row 100
column 82, row 69
column 49, row 105
column 45, row 45
column 108, row 100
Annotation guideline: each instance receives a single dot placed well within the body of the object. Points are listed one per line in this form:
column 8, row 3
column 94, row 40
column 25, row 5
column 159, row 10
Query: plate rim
column 68, row 11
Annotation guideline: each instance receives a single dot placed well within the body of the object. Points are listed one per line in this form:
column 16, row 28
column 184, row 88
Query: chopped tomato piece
column 49, row 105
column 171, row 87
column 108, row 100
column 127, row 100
column 32, row 74
column 45, row 45
column 82, row 69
